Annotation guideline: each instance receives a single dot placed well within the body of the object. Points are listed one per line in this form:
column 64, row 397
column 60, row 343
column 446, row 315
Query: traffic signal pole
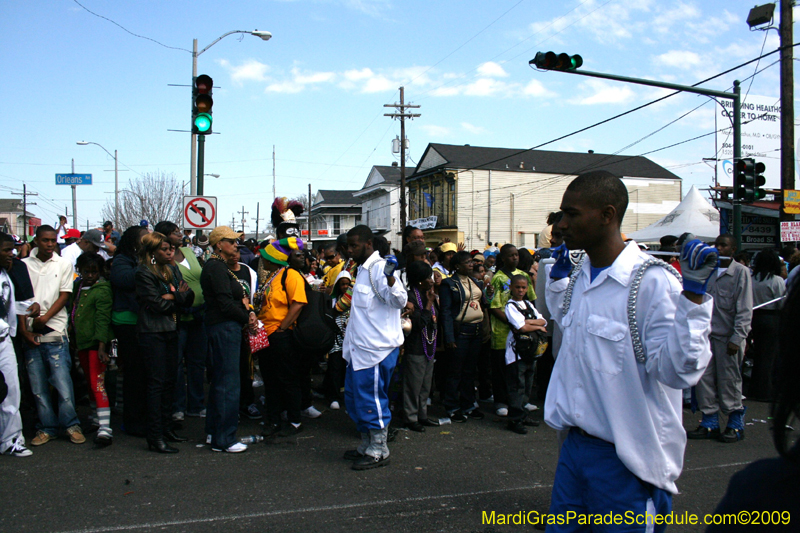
column 201, row 153
column 737, row 121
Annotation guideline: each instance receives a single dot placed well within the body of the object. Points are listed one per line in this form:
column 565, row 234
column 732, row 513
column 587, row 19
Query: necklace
column 426, row 339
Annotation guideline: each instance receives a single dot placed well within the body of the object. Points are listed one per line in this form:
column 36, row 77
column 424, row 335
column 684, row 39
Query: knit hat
column 278, row 251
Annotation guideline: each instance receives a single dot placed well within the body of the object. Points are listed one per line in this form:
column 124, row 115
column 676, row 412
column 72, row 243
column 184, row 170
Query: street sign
column 199, row 212
column 790, row 231
column 759, row 230
column 791, row 201
column 322, row 232
column 73, row 179
column 304, row 232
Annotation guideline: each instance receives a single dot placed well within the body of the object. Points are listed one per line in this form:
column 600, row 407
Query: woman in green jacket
column 90, row 318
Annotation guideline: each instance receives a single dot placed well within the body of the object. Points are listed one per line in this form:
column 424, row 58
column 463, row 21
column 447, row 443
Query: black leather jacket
column 451, row 298
column 157, row 315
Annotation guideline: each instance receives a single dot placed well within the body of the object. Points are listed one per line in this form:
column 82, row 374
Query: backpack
column 315, row 330
column 531, row 344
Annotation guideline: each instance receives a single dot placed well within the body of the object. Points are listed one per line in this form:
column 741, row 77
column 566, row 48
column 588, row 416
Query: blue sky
column 316, row 90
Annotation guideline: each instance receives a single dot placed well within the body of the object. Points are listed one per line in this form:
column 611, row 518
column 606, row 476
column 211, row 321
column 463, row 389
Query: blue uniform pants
column 591, row 481
column 366, row 394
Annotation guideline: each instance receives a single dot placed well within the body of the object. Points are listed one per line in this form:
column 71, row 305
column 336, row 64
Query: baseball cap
column 72, row 233
column 222, row 232
column 96, row 237
column 448, row 247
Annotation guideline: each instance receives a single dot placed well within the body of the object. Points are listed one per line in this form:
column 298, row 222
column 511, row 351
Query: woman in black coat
column 161, row 293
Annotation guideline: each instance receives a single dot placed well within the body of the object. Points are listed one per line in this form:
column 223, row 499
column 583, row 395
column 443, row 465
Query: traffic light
column 760, row 181
column 553, row 61
column 745, row 179
column 202, row 104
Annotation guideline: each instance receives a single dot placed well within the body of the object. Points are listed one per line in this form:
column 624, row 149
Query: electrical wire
column 127, row 30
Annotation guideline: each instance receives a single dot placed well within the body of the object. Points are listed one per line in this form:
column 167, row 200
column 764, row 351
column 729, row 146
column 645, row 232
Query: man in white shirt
column 371, row 346
column 92, row 241
column 47, row 355
column 61, row 232
column 617, row 399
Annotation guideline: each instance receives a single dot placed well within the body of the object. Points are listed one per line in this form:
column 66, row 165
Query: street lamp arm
column 84, row 143
column 261, row 34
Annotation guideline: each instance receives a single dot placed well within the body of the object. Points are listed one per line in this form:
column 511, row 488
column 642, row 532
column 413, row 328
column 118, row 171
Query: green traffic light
column 202, row 122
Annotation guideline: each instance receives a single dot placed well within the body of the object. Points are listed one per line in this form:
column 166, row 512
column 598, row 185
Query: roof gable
column 541, row 161
column 334, row 197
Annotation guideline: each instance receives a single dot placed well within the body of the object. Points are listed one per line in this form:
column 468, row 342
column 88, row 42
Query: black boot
column 170, row 436
column 160, row 446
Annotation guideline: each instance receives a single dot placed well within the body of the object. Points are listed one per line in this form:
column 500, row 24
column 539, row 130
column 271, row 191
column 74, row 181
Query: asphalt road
column 441, row 480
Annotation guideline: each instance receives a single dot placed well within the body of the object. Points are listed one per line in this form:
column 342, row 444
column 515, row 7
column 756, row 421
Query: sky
column 101, row 71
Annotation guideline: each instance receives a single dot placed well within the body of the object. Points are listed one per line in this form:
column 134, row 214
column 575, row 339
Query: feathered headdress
column 285, row 210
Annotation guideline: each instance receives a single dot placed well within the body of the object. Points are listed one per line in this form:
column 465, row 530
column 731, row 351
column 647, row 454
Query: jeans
column 134, row 376
column 160, row 352
column 49, row 364
column 460, row 380
column 222, row 418
column 192, row 353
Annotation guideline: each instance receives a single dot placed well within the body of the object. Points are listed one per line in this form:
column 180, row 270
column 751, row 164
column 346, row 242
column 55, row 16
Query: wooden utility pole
column 402, row 115
column 243, row 213
column 257, row 219
column 787, row 103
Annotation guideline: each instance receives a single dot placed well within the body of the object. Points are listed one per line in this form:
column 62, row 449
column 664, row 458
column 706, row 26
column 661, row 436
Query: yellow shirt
column 275, row 305
column 330, row 276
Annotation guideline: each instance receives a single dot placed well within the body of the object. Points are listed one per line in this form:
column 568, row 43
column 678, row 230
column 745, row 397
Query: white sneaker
column 531, row 407
column 310, row 412
column 208, row 439
column 177, row 416
column 502, row 412
column 18, row 449
column 235, row 448
column 199, row 414
column 335, row 405
column 428, row 401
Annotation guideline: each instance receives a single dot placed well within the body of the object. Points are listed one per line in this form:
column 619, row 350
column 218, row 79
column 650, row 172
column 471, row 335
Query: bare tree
column 155, row 196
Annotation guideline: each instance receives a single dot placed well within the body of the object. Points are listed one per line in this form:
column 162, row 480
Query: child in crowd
column 90, row 318
column 523, row 318
column 333, row 383
column 420, row 346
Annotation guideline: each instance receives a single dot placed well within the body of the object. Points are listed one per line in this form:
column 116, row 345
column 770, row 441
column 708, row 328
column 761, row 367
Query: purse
column 259, row 340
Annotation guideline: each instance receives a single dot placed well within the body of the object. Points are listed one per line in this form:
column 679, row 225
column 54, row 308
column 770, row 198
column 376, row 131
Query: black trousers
column 134, row 385
column 766, row 333
column 247, row 396
column 499, row 387
column 160, row 351
column 282, row 369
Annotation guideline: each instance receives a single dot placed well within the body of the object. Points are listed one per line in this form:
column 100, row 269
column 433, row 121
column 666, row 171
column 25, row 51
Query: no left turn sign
column 199, row 212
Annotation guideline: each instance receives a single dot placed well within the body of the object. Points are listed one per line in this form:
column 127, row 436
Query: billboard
column 761, row 137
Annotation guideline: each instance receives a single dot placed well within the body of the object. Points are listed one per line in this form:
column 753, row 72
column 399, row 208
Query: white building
column 333, row 213
column 380, row 202
column 480, row 195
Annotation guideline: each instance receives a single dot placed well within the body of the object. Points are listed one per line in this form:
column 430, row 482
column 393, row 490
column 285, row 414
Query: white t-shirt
column 516, row 321
column 60, row 232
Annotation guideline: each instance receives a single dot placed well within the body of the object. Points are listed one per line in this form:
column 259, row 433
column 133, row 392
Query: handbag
column 258, row 340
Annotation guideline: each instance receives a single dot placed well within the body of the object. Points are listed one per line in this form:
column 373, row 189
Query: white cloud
column 472, row 128
column 250, row 70
column 492, row 70
column 484, row 87
column 535, row 88
column 377, row 84
column 605, row 93
column 288, row 87
column 435, row 131
column 315, row 77
column 679, row 59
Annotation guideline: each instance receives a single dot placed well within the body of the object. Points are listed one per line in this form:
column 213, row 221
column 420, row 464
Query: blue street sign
column 73, row 179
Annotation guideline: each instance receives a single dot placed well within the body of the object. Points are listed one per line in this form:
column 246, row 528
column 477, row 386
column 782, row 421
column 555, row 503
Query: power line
column 127, row 30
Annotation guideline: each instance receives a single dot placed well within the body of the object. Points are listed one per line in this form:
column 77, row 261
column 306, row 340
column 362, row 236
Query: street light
column 212, row 175
column 263, row 35
column 116, row 178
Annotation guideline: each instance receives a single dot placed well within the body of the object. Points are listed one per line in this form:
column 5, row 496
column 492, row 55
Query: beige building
column 478, row 195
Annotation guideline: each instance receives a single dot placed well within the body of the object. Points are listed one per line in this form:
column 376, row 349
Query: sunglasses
column 231, row 241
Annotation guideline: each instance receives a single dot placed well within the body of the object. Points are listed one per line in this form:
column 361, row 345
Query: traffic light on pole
column 760, row 181
column 745, row 179
column 553, row 61
column 202, row 104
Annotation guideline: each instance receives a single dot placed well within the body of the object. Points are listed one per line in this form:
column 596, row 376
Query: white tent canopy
column 694, row 215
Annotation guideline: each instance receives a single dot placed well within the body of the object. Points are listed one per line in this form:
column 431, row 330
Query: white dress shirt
column 516, row 321
column 49, row 280
column 373, row 330
column 597, row 384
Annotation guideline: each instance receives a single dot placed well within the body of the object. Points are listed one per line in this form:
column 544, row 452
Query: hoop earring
column 152, row 260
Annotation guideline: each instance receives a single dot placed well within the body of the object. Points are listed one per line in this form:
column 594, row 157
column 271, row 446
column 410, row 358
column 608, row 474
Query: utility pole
column 787, row 103
column 233, row 220
column 243, row 213
column 257, row 219
column 25, row 205
column 402, row 115
column 74, row 200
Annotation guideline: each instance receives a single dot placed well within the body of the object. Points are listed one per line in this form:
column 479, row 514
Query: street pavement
column 440, row 480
